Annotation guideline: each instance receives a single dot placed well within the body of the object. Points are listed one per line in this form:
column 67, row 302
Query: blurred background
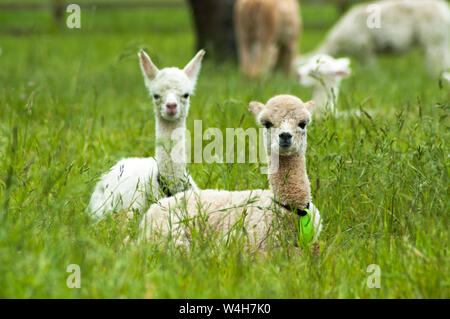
column 210, row 20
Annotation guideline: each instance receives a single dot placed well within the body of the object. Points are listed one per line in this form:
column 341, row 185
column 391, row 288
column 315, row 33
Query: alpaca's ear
column 148, row 68
column 310, row 105
column 193, row 67
column 255, row 107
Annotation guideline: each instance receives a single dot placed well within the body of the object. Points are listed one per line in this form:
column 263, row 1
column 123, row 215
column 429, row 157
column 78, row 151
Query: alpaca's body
column 404, row 24
column 133, row 183
column 126, row 186
column 267, row 33
column 326, row 94
column 224, row 212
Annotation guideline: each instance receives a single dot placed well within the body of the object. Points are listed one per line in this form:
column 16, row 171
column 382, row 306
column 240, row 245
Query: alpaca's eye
column 186, row 95
column 156, row 96
column 267, row 124
column 302, row 125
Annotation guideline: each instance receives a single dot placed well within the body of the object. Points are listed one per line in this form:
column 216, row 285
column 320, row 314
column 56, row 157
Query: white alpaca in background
column 325, row 74
column 393, row 26
column 261, row 213
column 134, row 182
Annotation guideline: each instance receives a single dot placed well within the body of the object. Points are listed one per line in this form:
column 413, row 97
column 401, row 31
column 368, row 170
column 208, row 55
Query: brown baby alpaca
column 254, row 216
column 287, row 174
column 267, row 34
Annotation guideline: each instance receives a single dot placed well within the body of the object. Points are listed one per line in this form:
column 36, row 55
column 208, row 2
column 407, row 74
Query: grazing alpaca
column 133, row 182
column 262, row 213
column 403, row 24
column 325, row 74
column 267, row 32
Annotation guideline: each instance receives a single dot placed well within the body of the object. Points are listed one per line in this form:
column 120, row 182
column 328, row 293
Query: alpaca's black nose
column 285, row 140
column 171, row 106
column 285, row 136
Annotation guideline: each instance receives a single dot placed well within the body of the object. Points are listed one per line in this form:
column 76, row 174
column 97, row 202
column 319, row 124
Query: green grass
column 73, row 102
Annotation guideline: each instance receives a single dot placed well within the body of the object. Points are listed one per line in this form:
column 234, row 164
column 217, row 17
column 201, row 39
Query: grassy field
column 73, row 102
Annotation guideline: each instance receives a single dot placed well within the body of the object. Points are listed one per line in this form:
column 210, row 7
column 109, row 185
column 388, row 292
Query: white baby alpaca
column 325, row 74
column 134, row 182
column 403, row 25
column 226, row 212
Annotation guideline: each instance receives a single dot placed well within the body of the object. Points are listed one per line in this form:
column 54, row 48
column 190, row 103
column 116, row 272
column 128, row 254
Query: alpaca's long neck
column 170, row 153
column 326, row 94
column 289, row 180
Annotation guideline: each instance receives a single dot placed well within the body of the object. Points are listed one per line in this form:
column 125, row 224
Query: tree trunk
column 343, row 6
column 58, row 11
column 213, row 20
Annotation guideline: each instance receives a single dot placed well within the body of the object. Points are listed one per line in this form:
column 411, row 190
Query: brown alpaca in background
column 267, row 34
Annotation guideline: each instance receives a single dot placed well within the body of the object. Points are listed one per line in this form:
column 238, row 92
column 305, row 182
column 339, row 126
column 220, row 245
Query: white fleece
column 404, row 24
column 132, row 184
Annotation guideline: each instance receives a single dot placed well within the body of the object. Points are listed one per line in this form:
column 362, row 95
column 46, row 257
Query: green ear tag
column 306, row 229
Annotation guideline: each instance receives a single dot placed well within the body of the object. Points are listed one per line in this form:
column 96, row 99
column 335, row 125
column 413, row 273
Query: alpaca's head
column 286, row 119
column 171, row 87
column 322, row 67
